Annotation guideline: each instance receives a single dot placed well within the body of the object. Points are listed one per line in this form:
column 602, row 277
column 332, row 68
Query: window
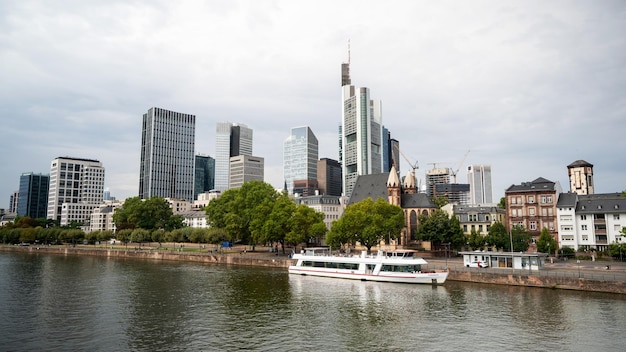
column 531, row 211
column 615, row 216
column 533, row 226
column 531, row 199
column 583, row 217
column 583, row 227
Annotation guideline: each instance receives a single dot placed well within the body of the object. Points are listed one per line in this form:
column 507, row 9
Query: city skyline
column 528, row 86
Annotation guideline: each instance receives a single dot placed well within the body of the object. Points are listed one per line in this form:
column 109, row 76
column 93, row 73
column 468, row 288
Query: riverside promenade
column 584, row 276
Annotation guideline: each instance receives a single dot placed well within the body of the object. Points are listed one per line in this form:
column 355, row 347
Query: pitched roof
column 375, row 186
column 579, row 163
column 601, row 203
column 536, row 185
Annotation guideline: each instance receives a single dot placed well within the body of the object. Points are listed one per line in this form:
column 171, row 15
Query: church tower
column 580, row 175
column 393, row 187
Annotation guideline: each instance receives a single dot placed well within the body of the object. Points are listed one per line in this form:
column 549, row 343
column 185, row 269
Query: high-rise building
column 361, row 140
column 76, row 187
column 300, row 154
column 580, row 175
column 231, row 139
column 329, row 178
column 167, row 154
column 33, row 197
column 244, row 168
column 391, row 151
column 15, row 196
column 204, row 175
column 434, row 177
column 479, row 179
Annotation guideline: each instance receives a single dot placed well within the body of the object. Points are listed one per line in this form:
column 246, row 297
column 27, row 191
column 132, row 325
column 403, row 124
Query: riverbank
column 585, row 277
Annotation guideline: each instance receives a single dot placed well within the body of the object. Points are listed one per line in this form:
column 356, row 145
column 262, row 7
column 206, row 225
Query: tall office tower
column 434, row 177
column 231, row 139
column 479, row 179
column 391, row 152
column 329, row 178
column 580, row 175
column 15, row 196
column 33, row 197
column 167, row 154
column 244, row 168
column 205, row 175
column 76, row 187
column 300, row 154
column 361, row 142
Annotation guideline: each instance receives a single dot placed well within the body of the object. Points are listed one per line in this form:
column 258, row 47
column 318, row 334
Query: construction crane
column 454, row 172
column 412, row 165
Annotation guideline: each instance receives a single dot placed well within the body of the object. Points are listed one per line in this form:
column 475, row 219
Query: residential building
column 479, row 179
column 179, row 206
column 244, row 168
column 477, row 218
column 580, row 175
column 532, row 205
column 300, row 155
column 102, row 216
column 361, row 140
column 434, row 177
column 204, row 199
column 167, row 154
column 331, row 206
column 195, row 219
column 591, row 221
column 204, row 178
column 76, row 188
column 329, row 177
column 32, row 200
column 231, row 140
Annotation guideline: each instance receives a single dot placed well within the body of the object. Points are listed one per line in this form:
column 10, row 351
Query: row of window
column 547, row 199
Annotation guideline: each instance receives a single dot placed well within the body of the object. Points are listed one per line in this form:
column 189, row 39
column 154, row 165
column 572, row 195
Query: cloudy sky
column 526, row 86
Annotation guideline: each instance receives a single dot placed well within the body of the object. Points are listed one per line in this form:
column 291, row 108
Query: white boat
column 402, row 266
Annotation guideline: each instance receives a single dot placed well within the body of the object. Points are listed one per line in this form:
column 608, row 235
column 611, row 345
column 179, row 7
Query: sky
column 527, row 87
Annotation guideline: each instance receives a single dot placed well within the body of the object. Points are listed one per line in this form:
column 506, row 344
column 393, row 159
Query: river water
column 75, row 303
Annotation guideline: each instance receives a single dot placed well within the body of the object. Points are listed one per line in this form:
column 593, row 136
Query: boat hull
column 433, row 278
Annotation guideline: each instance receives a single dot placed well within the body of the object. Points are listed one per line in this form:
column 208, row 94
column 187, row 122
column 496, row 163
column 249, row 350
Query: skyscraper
column 167, row 154
column 300, row 156
column 204, row 175
column 361, row 140
column 244, row 168
column 33, row 197
column 329, row 177
column 434, row 177
column 76, row 187
column 231, row 139
column 479, row 179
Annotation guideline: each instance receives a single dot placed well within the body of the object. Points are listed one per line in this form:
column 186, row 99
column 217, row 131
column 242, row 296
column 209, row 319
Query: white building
column 244, row 168
column 231, row 140
column 195, row 219
column 361, row 135
column 76, row 188
column 102, row 216
column 331, row 206
column 590, row 221
column 179, row 206
column 479, row 179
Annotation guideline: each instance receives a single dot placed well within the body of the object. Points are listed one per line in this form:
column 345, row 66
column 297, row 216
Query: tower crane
column 413, row 165
column 454, row 172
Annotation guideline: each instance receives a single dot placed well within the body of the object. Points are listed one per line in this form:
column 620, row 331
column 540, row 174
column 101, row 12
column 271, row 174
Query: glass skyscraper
column 231, row 139
column 167, row 154
column 479, row 179
column 204, row 175
column 33, row 195
column 300, row 154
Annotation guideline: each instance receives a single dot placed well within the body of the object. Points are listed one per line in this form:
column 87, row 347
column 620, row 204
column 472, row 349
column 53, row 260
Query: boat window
column 401, row 268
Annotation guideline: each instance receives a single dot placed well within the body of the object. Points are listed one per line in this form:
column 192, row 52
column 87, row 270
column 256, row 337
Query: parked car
column 478, row 264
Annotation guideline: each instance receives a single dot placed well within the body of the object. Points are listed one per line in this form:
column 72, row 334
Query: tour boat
column 402, row 266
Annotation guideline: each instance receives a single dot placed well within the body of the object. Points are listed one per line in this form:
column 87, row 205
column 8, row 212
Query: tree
column 271, row 223
column 236, row 209
column 475, row 240
column 502, row 203
column 546, row 242
column 152, row 213
column 368, row 223
column 440, row 201
column 305, row 224
column 521, row 239
column 498, row 236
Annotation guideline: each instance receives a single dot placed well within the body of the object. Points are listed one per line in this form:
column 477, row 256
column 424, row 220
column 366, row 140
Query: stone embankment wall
column 539, row 281
column 265, row 260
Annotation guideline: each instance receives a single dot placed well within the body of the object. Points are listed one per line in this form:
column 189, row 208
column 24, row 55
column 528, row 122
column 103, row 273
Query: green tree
column 498, row 236
column 521, row 238
column 305, row 224
column 140, row 235
column 440, row 201
column 617, row 251
column 475, row 240
column 502, row 203
column 546, row 242
column 152, row 213
column 368, row 223
column 271, row 223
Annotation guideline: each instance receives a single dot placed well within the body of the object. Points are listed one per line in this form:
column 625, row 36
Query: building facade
column 244, row 168
column 204, row 176
column 580, row 175
column 76, row 188
column 300, row 155
column 434, row 177
column 532, row 205
column 102, row 216
column 329, row 178
column 33, row 195
column 456, row 193
column 231, row 139
column 361, row 139
column 478, row 218
column 591, row 221
column 331, row 206
column 479, row 179
column 167, row 154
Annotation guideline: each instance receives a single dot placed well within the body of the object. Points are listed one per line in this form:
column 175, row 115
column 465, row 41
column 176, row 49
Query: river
column 81, row 303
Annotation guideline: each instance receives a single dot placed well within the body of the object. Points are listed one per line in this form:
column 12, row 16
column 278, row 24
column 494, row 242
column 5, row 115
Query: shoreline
column 557, row 277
